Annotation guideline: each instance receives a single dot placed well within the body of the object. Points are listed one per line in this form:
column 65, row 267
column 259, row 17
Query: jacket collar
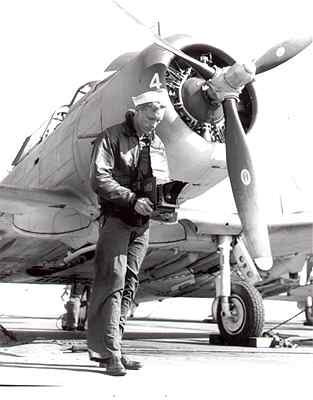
column 129, row 127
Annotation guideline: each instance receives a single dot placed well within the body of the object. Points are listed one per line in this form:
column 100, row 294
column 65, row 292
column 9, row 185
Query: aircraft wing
column 289, row 234
column 182, row 260
column 292, row 234
column 17, row 200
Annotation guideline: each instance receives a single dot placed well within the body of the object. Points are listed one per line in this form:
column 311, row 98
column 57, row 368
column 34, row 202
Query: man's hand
column 144, row 206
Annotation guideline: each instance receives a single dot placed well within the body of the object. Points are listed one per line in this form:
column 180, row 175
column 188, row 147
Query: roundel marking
column 280, row 51
column 245, row 177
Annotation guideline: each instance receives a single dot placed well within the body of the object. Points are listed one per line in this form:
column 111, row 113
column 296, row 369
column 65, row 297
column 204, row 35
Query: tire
column 70, row 318
column 246, row 305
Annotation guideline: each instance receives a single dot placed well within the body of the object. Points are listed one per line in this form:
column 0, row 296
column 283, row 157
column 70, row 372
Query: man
column 118, row 159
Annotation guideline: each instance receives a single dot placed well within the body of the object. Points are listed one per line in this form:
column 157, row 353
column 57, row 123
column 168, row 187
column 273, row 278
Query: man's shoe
column 114, row 366
column 130, row 364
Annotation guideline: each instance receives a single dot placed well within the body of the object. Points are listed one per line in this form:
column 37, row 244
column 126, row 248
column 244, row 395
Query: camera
column 163, row 196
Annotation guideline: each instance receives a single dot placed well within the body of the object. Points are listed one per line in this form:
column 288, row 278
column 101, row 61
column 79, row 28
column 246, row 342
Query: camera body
column 163, row 196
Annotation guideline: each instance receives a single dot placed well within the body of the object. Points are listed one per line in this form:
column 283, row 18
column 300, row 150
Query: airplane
column 49, row 213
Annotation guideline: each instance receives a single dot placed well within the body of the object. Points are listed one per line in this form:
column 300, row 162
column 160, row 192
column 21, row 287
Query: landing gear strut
column 239, row 308
column 309, row 311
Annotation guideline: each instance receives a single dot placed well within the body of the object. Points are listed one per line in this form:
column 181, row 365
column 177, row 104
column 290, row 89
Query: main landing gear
column 239, row 306
column 246, row 317
column 75, row 317
column 309, row 299
column 309, row 311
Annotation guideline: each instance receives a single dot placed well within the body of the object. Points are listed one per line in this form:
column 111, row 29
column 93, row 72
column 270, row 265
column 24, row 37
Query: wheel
column 69, row 319
column 247, row 309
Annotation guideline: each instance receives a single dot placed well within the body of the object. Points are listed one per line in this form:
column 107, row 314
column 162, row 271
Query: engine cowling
column 187, row 94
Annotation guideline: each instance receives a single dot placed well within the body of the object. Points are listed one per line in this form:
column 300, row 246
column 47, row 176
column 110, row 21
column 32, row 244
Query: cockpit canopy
column 52, row 123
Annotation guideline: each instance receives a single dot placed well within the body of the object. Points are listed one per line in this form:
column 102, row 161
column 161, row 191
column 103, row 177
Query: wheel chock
column 257, row 342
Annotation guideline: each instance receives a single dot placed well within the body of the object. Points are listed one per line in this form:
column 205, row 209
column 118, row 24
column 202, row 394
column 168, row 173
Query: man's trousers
column 119, row 254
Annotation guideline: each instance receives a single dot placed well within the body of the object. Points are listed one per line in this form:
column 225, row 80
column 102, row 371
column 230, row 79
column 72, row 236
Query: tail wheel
column 247, row 314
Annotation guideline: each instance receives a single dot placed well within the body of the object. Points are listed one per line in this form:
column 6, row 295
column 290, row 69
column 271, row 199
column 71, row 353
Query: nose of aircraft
column 224, row 87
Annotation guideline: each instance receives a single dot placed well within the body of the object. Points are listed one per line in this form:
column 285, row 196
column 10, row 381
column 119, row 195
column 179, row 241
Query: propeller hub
column 239, row 75
column 228, row 82
column 197, row 103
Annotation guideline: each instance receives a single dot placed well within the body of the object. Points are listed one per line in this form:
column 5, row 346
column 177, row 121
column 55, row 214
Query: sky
column 50, row 48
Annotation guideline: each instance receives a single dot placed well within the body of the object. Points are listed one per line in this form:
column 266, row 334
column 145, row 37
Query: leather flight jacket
column 114, row 169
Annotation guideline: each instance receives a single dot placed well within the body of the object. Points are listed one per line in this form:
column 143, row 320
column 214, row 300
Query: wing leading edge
column 17, row 200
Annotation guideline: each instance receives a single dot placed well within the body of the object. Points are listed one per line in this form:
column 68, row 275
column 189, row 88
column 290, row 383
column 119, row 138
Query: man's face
column 149, row 117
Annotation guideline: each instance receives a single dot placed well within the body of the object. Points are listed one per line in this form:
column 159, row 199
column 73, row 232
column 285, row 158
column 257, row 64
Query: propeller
column 244, row 187
column 226, row 89
column 281, row 53
column 203, row 69
column 273, row 57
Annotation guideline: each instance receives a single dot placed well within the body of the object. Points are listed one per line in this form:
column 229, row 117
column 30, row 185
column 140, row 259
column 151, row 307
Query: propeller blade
column 281, row 53
column 203, row 69
column 244, row 187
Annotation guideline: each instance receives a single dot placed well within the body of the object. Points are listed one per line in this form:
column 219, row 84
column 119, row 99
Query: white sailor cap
column 152, row 96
